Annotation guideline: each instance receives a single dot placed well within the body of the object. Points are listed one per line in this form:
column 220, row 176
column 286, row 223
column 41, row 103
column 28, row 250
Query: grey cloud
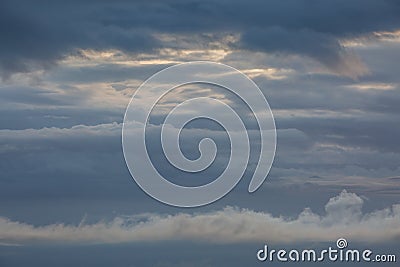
column 62, row 117
column 300, row 153
column 40, row 33
column 24, row 96
column 102, row 73
column 334, row 111
column 322, row 47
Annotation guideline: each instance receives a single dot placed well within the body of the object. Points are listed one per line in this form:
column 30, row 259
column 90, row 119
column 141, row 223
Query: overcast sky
column 330, row 72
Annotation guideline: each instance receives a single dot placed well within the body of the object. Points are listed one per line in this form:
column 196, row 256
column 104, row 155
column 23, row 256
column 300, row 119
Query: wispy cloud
column 343, row 217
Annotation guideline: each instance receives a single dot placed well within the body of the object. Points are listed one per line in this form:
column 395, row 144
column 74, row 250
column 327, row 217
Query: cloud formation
column 39, row 34
column 343, row 217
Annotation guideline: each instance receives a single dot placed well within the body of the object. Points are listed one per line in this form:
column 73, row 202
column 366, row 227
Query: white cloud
column 230, row 225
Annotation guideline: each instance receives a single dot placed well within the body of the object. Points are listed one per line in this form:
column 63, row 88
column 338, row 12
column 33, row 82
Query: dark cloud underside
column 41, row 32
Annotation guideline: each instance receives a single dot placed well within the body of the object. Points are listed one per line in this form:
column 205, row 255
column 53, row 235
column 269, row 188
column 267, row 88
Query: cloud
column 39, row 34
column 76, row 138
column 91, row 152
column 343, row 217
column 40, row 160
column 322, row 47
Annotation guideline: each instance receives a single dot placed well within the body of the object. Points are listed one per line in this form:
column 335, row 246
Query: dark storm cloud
column 327, row 50
column 38, row 34
column 41, row 32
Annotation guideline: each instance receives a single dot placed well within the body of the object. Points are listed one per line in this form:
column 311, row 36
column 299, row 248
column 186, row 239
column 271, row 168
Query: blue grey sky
column 68, row 69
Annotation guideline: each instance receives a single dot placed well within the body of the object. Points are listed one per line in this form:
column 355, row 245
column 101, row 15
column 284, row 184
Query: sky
column 68, row 69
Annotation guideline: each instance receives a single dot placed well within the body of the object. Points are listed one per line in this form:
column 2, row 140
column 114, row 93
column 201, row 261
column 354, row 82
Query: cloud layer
column 343, row 217
column 39, row 34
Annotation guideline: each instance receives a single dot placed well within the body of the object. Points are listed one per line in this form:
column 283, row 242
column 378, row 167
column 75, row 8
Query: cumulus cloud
column 343, row 217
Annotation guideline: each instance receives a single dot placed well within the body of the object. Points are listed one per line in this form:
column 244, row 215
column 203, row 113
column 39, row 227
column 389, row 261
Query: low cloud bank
column 343, row 218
